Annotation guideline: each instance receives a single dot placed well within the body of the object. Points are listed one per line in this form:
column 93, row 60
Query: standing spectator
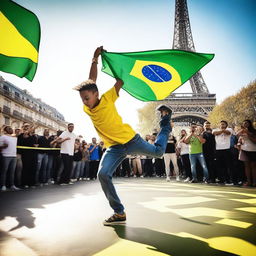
column 247, row 142
column 18, row 171
column 85, row 168
column 94, row 150
column 77, row 160
column 102, row 149
column 237, row 164
column 33, row 152
column 170, row 155
column 67, row 140
column 28, row 156
column 56, row 157
column 195, row 141
column 209, row 150
column 148, row 164
column 51, row 154
column 183, row 150
column 158, row 163
column 42, row 173
column 223, row 154
column 8, row 144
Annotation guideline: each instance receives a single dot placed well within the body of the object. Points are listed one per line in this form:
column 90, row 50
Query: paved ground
column 163, row 219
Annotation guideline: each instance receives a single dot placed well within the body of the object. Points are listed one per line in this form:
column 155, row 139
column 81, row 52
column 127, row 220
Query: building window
column 7, row 103
column 6, row 120
column 6, row 88
column 17, row 95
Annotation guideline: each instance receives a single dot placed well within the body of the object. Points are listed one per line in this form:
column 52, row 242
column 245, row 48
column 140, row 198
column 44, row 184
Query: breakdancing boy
column 119, row 138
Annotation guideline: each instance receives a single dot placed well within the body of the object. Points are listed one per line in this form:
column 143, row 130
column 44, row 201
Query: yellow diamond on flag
column 160, row 77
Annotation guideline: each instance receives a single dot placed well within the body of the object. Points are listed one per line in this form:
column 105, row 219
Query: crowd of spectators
column 202, row 154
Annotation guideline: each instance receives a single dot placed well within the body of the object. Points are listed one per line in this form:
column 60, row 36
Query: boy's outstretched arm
column 94, row 71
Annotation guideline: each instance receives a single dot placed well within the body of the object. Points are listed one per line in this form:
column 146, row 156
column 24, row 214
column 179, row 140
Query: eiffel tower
column 195, row 106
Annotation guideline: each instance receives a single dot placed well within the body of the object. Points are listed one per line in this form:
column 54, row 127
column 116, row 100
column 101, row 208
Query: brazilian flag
column 19, row 40
column 153, row 75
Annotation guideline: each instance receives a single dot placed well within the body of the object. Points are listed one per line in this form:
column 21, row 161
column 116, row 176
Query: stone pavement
column 163, row 218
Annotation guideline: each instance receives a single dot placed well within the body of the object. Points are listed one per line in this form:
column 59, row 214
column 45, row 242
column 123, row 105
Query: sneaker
column 168, row 179
column 229, row 183
column 178, row 178
column 240, row 183
column 187, row 179
column 14, row 188
column 206, row 181
column 141, row 176
column 115, row 219
column 3, row 188
column 193, row 181
column 165, row 110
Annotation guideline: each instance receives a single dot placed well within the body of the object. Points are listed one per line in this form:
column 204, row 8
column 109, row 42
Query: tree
column 236, row 108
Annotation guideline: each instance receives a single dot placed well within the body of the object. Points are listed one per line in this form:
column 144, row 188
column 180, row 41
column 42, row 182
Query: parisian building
column 18, row 106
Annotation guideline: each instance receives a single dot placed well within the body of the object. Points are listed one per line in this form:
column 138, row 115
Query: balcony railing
column 17, row 113
column 29, row 118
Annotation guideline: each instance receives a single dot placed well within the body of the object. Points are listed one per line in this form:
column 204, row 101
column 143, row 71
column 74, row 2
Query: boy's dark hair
column 89, row 87
column 193, row 123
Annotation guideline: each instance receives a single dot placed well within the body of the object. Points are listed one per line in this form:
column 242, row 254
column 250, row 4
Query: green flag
column 20, row 38
column 153, row 75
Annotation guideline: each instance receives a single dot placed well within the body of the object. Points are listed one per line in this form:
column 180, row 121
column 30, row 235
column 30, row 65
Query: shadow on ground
column 167, row 243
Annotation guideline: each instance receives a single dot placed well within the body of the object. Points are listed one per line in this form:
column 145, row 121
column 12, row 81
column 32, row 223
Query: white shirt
column 223, row 140
column 67, row 147
column 11, row 150
column 247, row 144
column 184, row 148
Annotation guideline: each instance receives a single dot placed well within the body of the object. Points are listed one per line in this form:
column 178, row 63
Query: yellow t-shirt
column 107, row 122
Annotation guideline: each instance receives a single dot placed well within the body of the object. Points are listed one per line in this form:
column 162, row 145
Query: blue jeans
column 42, row 161
column 9, row 164
column 76, row 169
column 200, row 157
column 49, row 172
column 114, row 155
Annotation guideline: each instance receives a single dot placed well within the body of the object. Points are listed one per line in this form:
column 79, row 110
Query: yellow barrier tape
column 23, row 147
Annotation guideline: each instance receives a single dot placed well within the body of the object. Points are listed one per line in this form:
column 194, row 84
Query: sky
column 71, row 31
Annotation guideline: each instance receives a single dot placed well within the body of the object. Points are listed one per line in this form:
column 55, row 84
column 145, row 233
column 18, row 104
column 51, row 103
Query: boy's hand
column 98, row 51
